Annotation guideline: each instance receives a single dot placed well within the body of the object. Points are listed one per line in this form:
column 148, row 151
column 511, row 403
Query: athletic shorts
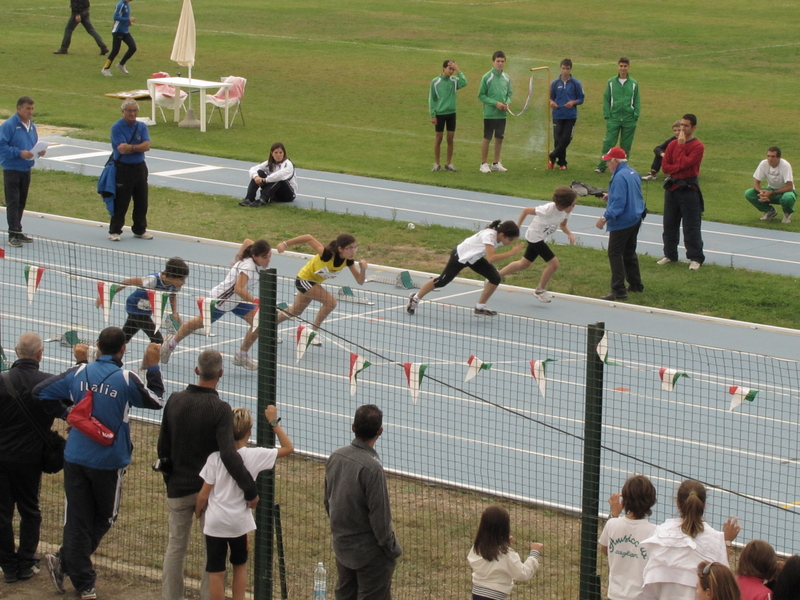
column 537, row 249
column 445, row 120
column 496, row 127
column 303, row 285
column 217, row 551
column 454, row 267
column 240, row 310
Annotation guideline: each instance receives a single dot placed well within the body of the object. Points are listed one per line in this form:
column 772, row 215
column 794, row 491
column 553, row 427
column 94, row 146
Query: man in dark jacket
column 80, row 16
column 21, row 448
column 195, row 424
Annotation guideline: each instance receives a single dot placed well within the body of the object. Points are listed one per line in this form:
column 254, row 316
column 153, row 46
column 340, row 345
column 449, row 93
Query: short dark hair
column 367, row 422
column 638, row 496
column 776, row 150
column 624, row 59
column 758, row 559
column 564, row 197
column 24, row 101
column 447, row 62
column 176, row 268
column 566, row 63
column 691, row 118
column 111, row 340
column 498, row 54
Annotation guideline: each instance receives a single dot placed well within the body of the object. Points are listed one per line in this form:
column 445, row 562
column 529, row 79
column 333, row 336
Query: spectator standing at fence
column 779, row 189
column 21, row 448
column 120, row 32
column 196, row 424
column 715, row 581
column 659, row 151
column 357, row 502
column 18, row 136
column 228, row 517
column 622, row 104
column 79, row 10
column 130, row 139
column 566, row 93
column 677, row 545
column 495, row 565
column 92, row 471
column 442, row 107
column 621, row 537
column 758, row 564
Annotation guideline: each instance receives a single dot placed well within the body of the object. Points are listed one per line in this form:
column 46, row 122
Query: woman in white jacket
column 275, row 177
column 495, row 566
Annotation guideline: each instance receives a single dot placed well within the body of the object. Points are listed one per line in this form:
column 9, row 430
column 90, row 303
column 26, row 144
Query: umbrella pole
column 190, row 120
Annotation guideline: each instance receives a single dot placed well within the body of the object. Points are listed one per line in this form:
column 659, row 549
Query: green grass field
column 344, row 84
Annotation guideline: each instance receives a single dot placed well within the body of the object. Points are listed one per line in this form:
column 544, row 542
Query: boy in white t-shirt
column 546, row 219
column 621, row 537
column 228, row 518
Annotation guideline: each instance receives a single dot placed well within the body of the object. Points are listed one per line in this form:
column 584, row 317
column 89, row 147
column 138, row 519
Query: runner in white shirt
column 546, row 219
column 477, row 253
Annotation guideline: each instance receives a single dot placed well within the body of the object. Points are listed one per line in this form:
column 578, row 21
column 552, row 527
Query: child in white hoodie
column 495, row 566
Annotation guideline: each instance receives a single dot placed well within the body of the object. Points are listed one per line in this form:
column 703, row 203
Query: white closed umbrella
column 183, row 51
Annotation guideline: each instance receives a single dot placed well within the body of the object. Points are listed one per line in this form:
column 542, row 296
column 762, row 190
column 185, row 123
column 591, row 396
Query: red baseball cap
column 615, row 152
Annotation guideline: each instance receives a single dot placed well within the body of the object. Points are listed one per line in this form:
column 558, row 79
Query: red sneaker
column 550, row 165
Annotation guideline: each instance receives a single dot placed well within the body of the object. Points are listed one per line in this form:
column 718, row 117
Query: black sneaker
column 614, row 296
column 25, row 239
column 485, row 312
column 635, row 290
column 257, row 203
column 245, row 202
column 10, row 576
column 13, row 240
column 60, row 51
column 103, row 51
column 24, row 574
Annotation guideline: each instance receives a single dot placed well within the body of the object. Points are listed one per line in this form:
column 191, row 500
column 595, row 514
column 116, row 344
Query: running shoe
column 89, row 594
column 115, row 237
column 485, row 168
column 413, row 303
column 166, row 349
column 450, row 167
column 769, row 214
column 485, row 312
column 144, row 236
column 498, row 166
column 106, row 72
column 436, row 167
column 122, row 68
column 543, row 295
column 243, row 360
column 53, row 562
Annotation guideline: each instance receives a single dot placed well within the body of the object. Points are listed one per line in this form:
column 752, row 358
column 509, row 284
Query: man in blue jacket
column 566, row 93
column 622, row 218
column 92, row 471
column 17, row 138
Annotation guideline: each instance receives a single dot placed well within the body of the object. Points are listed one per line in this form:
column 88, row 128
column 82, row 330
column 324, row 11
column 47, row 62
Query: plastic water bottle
column 320, row 583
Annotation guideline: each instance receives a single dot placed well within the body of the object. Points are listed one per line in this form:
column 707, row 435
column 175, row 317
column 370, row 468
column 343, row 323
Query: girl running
column 477, row 253
column 275, row 177
column 327, row 264
column 495, row 566
column 235, row 295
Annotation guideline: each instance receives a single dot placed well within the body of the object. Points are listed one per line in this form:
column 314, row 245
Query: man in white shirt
column 779, row 190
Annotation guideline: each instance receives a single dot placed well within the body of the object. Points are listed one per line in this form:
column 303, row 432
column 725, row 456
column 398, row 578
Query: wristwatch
column 275, row 422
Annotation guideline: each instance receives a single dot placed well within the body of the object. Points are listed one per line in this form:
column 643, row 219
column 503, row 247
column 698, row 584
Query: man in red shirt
column 683, row 199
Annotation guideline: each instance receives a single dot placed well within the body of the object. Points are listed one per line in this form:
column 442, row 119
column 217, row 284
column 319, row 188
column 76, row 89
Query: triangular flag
column 740, row 394
column 669, row 377
column 357, row 364
column 602, row 350
column 206, row 306
column 303, row 338
column 414, row 374
column 33, row 275
column 2, row 252
column 158, row 302
column 538, row 371
column 105, row 296
column 475, row 365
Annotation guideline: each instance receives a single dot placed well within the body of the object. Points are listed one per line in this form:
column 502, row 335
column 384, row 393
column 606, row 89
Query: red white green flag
column 538, row 371
column 206, row 307
column 303, row 339
column 740, row 394
column 357, row 365
column 158, row 302
column 474, row 366
column 414, row 374
column 33, row 276
column 669, row 377
column 105, row 296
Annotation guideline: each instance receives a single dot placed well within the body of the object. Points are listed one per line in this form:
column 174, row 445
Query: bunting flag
column 475, row 365
column 303, row 338
column 357, row 364
column 414, row 374
column 33, row 275
column 105, row 296
column 740, row 394
column 206, row 306
column 669, row 377
column 156, row 307
column 538, row 368
column 602, row 350
column 2, row 252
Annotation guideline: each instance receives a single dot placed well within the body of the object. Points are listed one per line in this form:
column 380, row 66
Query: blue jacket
column 561, row 93
column 124, row 133
column 14, row 138
column 115, row 390
column 122, row 17
column 625, row 203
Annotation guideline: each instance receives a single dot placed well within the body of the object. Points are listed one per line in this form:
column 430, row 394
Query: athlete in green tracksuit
column 621, row 106
column 442, row 106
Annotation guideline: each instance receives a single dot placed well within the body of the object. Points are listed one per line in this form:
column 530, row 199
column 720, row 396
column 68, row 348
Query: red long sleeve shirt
column 682, row 161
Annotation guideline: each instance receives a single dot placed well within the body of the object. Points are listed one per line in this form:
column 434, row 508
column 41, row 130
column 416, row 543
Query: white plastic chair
column 235, row 95
column 165, row 95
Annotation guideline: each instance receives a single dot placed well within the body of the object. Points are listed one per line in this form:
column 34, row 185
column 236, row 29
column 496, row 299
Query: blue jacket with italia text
column 625, row 203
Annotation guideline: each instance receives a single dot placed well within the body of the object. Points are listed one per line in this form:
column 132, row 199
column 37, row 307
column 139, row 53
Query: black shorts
column 303, row 285
column 445, row 120
column 454, row 267
column 537, row 249
column 496, row 127
column 217, row 550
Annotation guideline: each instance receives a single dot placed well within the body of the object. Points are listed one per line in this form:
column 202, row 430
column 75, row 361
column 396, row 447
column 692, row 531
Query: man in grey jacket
column 357, row 502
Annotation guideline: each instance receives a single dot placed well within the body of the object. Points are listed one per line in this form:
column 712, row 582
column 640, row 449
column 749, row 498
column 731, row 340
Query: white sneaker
column 498, row 166
column 244, row 361
column 436, row 167
column 106, row 72
column 787, row 218
column 122, row 68
column 543, row 295
column 769, row 214
column 115, row 237
column 694, row 265
column 664, row 261
column 450, row 167
column 143, row 236
column 166, row 350
column 485, row 168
